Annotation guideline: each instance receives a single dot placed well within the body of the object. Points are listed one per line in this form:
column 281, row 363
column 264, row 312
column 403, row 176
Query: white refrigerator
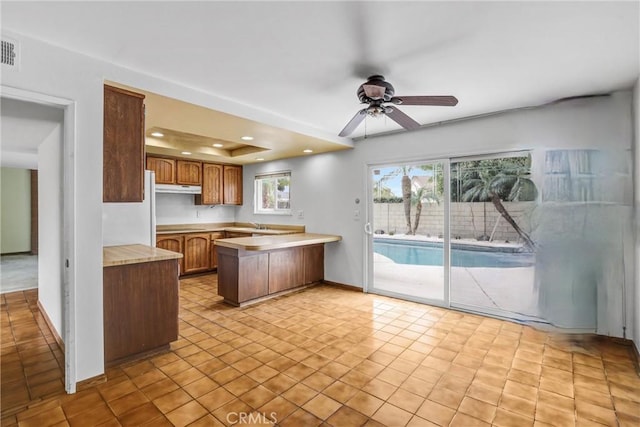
column 131, row 223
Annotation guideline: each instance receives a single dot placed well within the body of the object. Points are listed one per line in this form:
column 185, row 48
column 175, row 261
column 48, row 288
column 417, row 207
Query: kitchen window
column 272, row 193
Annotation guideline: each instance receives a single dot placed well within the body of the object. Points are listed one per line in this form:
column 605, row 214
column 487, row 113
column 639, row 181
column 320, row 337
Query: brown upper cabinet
column 175, row 171
column 165, row 169
column 221, row 184
column 232, row 178
column 123, row 146
column 212, row 185
column 189, row 172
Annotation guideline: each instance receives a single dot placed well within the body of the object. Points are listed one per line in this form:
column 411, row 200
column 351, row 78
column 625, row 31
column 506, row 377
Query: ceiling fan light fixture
column 375, row 111
column 376, row 92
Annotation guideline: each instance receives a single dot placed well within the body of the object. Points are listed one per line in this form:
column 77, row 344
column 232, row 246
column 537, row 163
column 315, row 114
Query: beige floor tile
column 406, row 400
column 346, row 416
column 322, row 406
column 365, row 403
column 436, row 413
column 477, row 409
column 391, row 415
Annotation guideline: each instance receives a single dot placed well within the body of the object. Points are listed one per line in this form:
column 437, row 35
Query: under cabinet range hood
column 178, row 189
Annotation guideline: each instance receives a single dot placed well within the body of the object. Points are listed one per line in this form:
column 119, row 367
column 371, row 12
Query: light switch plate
column 301, row 214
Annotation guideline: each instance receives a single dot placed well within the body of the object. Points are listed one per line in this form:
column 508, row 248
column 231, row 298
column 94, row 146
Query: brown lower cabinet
column 247, row 275
column 140, row 308
column 198, row 250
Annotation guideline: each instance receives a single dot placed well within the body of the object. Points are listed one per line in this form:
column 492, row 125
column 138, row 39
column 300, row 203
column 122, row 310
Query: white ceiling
column 304, row 60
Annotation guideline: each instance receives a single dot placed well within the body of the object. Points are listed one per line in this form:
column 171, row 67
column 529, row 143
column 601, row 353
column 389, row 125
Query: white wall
column 326, row 186
column 15, row 229
column 50, row 228
column 180, row 209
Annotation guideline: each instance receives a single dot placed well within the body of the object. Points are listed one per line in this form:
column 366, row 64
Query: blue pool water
column 430, row 253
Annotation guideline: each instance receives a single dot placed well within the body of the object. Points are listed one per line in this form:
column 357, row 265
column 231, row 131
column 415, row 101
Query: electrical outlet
column 356, row 215
column 300, row 214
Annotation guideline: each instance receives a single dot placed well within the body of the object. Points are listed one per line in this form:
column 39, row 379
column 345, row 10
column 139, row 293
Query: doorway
column 53, row 150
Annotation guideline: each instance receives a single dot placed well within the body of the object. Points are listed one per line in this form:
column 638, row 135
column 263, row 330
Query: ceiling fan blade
column 446, row 101
column 401, row 118
column 374, row 91
column 353, row 123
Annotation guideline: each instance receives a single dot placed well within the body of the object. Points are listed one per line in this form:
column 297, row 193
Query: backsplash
column 180, row 209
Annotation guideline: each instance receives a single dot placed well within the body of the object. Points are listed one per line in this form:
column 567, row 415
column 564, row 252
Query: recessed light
column 217, row 145
column 247, row 138
column 186, row 153
column 307, row 151
column 157, row 134
column 259, row 159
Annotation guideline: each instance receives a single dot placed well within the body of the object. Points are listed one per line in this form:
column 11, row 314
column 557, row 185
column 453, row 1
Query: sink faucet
column 258, row 226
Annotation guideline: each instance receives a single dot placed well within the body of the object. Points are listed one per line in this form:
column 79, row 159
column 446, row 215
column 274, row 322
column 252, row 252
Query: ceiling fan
column 377, row 92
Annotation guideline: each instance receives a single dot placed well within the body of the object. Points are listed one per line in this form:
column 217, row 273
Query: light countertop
column 264, row 243
column 134, row 254
column 231, row 227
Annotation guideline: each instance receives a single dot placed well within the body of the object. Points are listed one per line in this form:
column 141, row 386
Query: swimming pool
column 430, row 253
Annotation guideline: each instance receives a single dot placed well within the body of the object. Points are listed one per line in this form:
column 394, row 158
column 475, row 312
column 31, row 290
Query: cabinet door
column 211, row 185
column 196, row 252
column 313, row 263
column 232, row 185
column 165, row 169
column 189, row 172
column 285, row 269
column 174, row 243
column 123, row 146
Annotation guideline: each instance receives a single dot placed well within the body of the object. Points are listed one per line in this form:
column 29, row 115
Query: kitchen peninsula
column 252, row 268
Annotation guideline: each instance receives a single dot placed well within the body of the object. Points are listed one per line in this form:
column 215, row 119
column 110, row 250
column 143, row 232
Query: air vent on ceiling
column 9, row 53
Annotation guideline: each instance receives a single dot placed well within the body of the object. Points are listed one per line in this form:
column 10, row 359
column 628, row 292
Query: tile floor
column 333, row 357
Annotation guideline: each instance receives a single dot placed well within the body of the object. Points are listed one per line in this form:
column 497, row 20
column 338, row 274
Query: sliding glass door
column 407, row 238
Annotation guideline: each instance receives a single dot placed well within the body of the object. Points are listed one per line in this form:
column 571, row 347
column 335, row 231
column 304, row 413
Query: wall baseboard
column 91, row 382
column 53, row 331
column 343, row 286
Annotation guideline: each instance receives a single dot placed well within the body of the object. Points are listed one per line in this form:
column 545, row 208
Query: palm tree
column 418, row 196
column 512, row 183
column 406, row 195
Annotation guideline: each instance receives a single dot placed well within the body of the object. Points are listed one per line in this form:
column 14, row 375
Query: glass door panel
column 408, row 239
column 492, row 253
